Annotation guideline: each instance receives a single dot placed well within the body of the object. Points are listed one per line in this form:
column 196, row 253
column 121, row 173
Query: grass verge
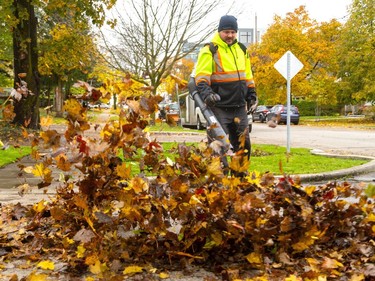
column 12, row 154
column 273, row 159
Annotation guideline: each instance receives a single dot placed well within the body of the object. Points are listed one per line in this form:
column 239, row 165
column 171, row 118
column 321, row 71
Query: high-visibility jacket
column 227, row 72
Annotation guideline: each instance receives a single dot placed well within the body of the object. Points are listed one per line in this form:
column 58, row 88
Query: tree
column 6, row 71
column 69, row 49
column 312, row 43
column 151, row 36
column 357, row 62
column 24, row 20
column 26, row 107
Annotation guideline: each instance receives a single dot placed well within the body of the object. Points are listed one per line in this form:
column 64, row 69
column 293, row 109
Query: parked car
column 279, row 114
column 172, row 111
column 261, row 113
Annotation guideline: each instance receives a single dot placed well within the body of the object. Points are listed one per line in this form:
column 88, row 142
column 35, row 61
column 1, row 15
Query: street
column 330, row 139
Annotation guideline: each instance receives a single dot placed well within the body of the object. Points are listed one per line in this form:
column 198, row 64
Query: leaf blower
column 214, row 128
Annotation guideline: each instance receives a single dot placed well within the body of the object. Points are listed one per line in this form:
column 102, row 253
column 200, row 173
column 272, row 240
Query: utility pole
column 256, row 28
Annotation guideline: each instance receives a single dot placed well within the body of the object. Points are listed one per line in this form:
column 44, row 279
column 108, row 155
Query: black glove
column 252, row 100
column 191, row 85
column 212, row 99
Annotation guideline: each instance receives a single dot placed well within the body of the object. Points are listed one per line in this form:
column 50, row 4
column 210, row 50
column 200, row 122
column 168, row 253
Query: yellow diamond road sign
column 288, row 60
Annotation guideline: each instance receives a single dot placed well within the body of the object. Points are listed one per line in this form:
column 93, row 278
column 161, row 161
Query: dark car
column 261, row 113
column 278, row 113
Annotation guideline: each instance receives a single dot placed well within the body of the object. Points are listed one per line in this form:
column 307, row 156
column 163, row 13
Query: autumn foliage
column 107, row 223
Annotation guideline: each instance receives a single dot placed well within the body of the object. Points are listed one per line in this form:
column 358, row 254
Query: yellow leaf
column 129, row 270
column 163, row 275
column 370, row 218
column 46, row 265
column 293, row 278
column 96, row 268
column 138, row 185
column 214, row 168
column 123, row 171
column 309, row 190
column 194, row 200
column 46, row 121
column 300, row 246
column 37, row 277
column 40, row 170
column 40, row 206
column 261, row 222
column 254, row 258
column 80, row 251
column 356, row 277
column 63, row 163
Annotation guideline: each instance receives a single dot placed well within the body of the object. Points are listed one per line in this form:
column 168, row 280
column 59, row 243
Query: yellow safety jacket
column 227, row 72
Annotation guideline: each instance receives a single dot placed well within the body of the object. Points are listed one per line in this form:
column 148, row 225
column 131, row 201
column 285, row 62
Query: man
column 225, row 82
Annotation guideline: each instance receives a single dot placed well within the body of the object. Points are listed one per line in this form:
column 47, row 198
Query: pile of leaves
column 107, row 224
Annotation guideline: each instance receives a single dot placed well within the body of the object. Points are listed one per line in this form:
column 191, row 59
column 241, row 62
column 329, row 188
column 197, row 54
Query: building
column 245, row 36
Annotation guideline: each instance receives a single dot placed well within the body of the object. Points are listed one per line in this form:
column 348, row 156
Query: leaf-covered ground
column 108, row 225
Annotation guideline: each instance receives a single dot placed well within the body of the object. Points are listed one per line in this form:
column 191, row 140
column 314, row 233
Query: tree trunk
column 26, row 61
column 59, row 98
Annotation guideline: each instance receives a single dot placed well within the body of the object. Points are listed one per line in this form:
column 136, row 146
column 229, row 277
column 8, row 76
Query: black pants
column 236, row 125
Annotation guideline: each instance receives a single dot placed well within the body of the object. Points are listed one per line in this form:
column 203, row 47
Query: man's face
column 228, row 36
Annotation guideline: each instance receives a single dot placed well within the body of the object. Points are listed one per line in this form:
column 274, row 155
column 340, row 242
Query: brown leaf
column 84, row 235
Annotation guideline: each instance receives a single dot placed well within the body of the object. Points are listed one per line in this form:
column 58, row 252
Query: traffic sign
column 288, row 66
column 288, row 59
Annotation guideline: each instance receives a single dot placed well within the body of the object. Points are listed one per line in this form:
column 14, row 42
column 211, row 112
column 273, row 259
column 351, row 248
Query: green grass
column 12, row 154
column 274, row 159
column 264, row 158
column 164, row 127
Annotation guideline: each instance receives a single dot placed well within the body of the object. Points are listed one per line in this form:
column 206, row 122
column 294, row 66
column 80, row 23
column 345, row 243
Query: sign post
column 288, row 66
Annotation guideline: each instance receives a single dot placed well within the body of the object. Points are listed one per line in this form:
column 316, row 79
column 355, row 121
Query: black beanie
column 228, row 23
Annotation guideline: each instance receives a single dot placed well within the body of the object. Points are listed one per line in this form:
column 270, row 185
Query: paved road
column 331, row 140
column 335, row 140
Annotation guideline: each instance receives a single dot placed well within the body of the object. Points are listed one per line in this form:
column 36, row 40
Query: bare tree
column 152, row 35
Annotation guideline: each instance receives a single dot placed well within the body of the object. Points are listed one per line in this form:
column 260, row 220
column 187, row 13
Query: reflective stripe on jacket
column 227, row 72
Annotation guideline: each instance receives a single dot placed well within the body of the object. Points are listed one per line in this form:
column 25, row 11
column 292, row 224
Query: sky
column 320, row 10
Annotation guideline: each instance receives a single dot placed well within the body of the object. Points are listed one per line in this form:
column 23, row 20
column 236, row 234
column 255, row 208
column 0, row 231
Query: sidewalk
column 13, row 180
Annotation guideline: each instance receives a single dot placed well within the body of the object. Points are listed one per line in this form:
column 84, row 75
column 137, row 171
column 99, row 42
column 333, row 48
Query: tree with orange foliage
column 312, row 43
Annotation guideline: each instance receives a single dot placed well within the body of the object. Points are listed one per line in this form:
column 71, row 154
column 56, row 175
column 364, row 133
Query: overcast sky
column 320, row 10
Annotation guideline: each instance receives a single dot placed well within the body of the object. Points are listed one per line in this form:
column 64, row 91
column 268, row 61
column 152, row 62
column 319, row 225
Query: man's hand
column 212, row 99
column 252, row 106
column 252, row 100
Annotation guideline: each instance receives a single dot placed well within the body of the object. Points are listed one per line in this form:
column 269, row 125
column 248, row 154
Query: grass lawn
column 270, row 158
column 12, row 154
column 264, row 158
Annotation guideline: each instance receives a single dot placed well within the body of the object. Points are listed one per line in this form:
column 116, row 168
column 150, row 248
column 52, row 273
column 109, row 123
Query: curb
column 353, row 171
column 332, row 175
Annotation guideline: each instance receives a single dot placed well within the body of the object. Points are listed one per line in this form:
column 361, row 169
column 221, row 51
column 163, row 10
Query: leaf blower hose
column 214, row 128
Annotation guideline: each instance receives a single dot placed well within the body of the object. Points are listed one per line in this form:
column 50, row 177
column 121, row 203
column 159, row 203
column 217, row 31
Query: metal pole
column 178, row 105
column 288, row 104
